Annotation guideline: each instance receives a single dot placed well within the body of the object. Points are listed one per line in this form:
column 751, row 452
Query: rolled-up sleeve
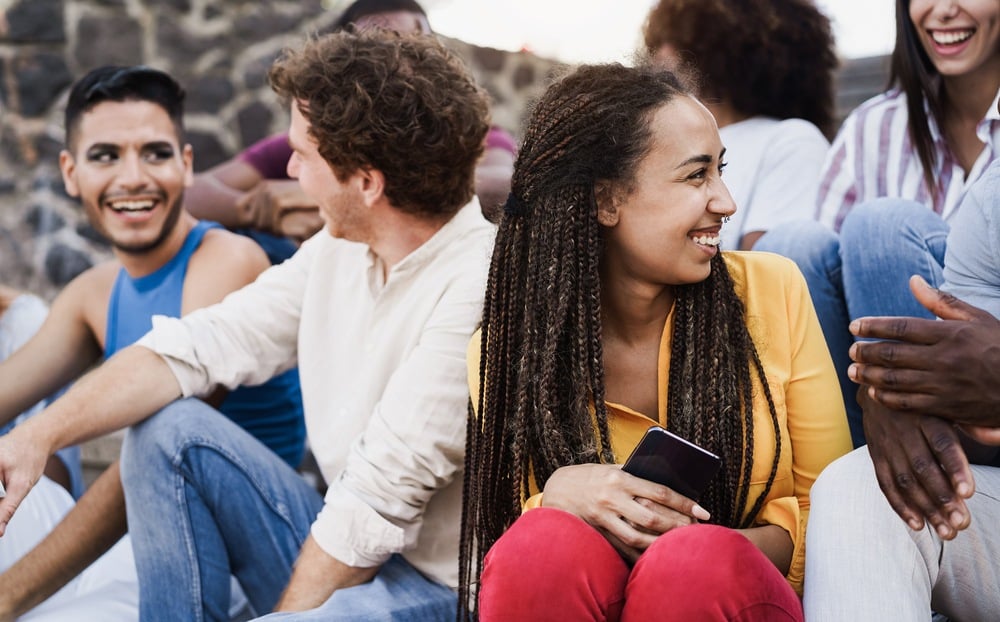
column 414, row 443
column 245, row 339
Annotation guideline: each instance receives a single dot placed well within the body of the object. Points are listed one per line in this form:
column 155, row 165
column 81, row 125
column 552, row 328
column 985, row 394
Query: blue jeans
column 206, row 500
column 864, row 271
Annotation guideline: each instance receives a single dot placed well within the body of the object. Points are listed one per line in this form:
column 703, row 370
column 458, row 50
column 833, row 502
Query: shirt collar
column 469, row 218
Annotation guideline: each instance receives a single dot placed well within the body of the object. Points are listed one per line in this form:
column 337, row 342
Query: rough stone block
column 35, row 21
column 255, row 123
column 63, row 263
column 44, row 219
column 208, row 150
column 108, row 40
column 39, row 79
column 209, row 93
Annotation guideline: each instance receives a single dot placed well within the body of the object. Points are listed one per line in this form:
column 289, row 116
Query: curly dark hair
column 764, row 57
column 542, row 406
column 402, row 104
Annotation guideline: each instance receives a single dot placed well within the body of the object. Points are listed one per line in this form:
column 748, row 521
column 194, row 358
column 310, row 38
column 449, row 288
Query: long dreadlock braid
column 541, row 338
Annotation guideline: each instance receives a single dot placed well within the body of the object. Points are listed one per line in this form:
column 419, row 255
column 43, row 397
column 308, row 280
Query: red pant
column 551, row 565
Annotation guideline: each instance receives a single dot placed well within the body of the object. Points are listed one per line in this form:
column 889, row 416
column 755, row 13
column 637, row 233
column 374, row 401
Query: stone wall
column 219, row 50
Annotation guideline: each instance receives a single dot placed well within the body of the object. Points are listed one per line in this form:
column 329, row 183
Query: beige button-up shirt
column 382, row 364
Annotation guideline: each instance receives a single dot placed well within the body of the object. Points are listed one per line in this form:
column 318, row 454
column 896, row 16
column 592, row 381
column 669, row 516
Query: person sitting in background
column 931, row 396
column 897, row 171
column 764, row 68
column 610, row 309
column 126, row 160
column 253, row 190
column 21, row 315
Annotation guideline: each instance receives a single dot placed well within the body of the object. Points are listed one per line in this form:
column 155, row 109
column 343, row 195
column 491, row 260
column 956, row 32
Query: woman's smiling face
column 664, row 229
column 959, row 36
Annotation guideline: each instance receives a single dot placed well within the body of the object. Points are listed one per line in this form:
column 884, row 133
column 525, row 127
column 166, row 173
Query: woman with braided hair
column 609, row 309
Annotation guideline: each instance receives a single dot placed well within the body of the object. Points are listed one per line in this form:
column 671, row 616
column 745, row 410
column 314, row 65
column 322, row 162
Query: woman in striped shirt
column 896, row 172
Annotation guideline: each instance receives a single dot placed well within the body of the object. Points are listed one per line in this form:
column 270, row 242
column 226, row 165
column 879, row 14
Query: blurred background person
column 764, row 68
column 253, row 193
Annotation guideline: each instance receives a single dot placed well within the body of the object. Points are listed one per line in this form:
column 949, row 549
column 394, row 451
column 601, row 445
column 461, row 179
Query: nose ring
column 725, row 219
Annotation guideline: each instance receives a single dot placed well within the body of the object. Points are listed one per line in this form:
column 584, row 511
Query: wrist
column 245, row 210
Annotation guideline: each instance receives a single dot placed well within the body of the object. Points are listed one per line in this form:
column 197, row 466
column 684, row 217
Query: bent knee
column 164, row 433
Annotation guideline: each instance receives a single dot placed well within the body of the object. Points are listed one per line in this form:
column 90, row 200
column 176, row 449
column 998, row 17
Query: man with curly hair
column 386, row 130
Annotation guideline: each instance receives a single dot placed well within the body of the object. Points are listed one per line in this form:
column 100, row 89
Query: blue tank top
column 271, row 412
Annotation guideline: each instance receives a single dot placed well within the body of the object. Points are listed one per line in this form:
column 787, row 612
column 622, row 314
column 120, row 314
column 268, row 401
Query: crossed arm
column 933, row 386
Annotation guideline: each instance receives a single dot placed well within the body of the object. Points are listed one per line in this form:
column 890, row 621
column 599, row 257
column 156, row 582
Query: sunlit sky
column 609, row 30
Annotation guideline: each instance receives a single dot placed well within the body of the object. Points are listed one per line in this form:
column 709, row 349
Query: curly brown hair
column 401, row 104
column 764, row 57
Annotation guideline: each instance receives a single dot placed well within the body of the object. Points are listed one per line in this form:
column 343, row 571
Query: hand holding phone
column 669, row 460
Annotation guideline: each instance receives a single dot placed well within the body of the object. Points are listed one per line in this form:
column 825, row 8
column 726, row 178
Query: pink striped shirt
column 872, row 157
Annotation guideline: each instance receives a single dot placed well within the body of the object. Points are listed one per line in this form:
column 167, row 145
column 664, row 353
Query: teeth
column 131, row 206
column 951, row 37
column 707, row 240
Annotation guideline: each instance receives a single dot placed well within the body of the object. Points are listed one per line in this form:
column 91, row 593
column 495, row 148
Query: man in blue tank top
column 127, row 162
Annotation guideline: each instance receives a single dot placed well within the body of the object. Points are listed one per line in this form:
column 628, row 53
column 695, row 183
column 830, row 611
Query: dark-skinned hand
column 920, row 465
column 948, row 368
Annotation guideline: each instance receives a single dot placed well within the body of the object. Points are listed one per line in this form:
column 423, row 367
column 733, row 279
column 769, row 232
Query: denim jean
column 206, row 500
column 864, row 271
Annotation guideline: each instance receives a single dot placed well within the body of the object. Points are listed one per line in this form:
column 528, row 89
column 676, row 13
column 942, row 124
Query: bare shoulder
column 223, row 263
column 88, row 293
column 225, row 249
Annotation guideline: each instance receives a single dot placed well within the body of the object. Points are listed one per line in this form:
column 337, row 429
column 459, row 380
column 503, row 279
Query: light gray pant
column 863, row 562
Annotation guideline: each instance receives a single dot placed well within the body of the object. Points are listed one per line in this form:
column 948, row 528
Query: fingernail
column 700, row 512
column 944, row 531
column 956, row 519
column 915, row 524
column 963, row 489
column 852, row 371
column 854, row 327
column 921, row 280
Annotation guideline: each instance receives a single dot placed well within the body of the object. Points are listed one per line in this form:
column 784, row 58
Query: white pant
column 864, row 563
column 107, row 591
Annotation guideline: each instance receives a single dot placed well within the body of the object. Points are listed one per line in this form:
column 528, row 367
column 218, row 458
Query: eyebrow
column 93, row 146
column 701, row 159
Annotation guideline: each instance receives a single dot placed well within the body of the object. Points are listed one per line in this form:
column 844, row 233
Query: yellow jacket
column 803, row 385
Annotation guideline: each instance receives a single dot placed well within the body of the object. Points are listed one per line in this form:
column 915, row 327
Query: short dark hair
column 402, row 104
column 119, row 83
column 364, row 8
column 765, row 57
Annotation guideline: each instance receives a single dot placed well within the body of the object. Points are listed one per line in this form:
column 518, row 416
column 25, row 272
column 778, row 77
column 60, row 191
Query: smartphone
column 669, row 460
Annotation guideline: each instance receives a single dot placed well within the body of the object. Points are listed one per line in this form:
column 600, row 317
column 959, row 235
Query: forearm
column 210, row 199
column 92, row 527
column 317, row 576
column 128, row 388
column 774, row 542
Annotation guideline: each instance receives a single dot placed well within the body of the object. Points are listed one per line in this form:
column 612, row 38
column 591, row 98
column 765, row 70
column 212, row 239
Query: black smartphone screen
column 669, row 460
